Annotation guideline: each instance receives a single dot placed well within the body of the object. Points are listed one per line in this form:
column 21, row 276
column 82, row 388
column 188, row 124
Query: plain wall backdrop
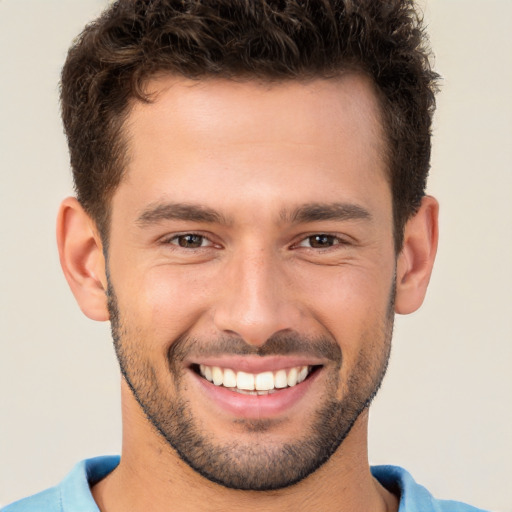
column 445, row 409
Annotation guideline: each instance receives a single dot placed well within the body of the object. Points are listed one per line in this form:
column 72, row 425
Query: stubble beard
column 255, row 465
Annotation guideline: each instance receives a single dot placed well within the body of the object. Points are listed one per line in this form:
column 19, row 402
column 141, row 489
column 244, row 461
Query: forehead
column 237, row 136
column 294, row 109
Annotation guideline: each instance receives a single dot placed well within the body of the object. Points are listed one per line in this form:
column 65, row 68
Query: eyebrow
column 313, row 212
column 179, row 211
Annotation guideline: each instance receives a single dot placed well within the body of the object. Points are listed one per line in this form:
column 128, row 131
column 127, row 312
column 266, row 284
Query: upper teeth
column 265, row 381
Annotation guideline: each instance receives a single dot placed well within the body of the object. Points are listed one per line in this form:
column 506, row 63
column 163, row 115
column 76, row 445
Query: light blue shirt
column 73, row 494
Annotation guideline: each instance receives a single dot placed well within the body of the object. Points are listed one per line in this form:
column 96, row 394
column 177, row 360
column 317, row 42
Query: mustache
column 282, row 343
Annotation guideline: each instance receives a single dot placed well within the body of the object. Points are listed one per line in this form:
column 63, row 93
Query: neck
column 151, row 476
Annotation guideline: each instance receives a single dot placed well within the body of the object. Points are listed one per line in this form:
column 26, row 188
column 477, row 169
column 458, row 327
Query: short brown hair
column 133, row 40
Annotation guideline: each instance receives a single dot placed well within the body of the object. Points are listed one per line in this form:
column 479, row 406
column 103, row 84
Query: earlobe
column 82, row 260
column 415, row 261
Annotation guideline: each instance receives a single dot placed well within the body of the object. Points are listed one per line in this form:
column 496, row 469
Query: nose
column 255, row 302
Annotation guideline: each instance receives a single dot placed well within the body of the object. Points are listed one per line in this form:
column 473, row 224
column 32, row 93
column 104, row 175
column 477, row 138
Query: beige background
column 445, row 411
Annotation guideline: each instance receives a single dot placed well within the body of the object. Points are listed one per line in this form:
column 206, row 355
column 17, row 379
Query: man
column 250, row 214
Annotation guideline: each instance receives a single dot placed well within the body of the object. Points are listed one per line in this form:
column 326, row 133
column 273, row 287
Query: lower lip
column 255, row 406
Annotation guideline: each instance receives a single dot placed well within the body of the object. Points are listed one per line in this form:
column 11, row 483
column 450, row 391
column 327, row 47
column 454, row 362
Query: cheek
column 351, row 290
column 351, row 302
column 166, row 301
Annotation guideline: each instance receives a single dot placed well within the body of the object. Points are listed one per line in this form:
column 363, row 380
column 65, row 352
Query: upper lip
column 257, row 364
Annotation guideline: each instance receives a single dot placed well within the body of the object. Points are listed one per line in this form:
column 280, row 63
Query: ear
column 416, row 259
column 81, row 258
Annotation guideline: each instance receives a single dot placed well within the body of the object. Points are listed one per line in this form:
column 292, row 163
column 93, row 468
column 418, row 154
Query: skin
column 254, row 153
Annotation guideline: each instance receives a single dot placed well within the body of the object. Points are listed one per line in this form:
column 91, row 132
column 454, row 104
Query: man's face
column 251, row 271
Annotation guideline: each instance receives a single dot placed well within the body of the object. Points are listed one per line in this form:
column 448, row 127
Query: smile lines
column 260, row 383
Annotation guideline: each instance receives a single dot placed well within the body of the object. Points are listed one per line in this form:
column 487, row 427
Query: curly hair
column 275, row 40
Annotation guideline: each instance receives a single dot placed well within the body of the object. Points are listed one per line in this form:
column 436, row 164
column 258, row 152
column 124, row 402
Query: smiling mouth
column 263, row 383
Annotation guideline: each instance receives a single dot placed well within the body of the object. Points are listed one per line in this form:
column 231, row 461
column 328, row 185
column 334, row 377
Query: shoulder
column 46, row 501
column 73, row 493
column 413, row 496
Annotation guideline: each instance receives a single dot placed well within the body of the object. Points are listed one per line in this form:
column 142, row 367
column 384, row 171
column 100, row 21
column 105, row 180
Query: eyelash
column 333, row 239
column 336, row 241
column 175, row 238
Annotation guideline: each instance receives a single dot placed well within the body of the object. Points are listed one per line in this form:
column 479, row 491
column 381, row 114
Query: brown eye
column 189, row 241
column 322, row 241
